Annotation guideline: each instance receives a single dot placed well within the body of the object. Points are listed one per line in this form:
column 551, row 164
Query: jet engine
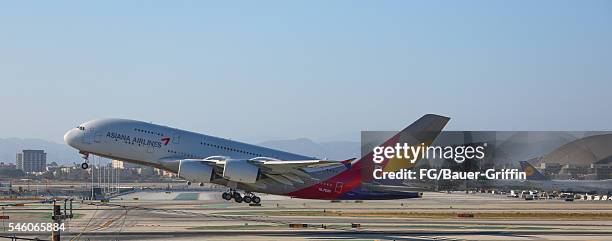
column 241, row 171
column 195, row 171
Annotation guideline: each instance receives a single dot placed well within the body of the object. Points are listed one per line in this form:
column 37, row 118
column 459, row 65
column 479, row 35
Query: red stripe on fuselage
column 349, row 179
column 332, row 188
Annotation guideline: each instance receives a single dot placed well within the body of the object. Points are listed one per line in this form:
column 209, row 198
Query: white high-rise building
column 32, row 161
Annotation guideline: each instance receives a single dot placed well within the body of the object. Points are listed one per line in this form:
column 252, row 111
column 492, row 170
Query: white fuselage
column 151, row 144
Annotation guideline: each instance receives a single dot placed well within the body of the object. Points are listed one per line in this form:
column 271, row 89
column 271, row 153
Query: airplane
column 253, row 169
column 535, row 178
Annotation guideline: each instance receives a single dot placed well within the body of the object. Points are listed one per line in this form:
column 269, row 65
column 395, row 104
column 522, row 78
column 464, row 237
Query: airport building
column 123, row 165
column 603, row 171
column 7, row 165
column 165, row 173
column 551, row 168
column 32, row 161
column 588, row 158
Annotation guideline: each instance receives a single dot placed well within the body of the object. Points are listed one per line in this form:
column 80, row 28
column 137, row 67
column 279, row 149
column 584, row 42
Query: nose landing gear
column 85, row 164
column 247, row 198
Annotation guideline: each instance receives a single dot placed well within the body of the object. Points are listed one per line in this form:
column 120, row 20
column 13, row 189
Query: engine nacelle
column 241, row 171
column 195, row 171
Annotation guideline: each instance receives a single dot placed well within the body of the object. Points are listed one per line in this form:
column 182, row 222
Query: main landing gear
column 85, row 164
column 247, row 198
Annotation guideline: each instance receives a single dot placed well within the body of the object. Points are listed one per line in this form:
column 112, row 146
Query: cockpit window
column 81, row 128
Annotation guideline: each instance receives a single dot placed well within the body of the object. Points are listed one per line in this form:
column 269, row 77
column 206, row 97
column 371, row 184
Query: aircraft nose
column 70, row 138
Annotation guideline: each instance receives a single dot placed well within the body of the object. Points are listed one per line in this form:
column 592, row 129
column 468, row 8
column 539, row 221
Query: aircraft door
column 339, row 187
column 97, row 136
column 176, row 138
column 89, row 136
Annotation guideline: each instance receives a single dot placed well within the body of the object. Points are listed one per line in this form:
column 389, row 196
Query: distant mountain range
column 63, row 154
column 331, row 150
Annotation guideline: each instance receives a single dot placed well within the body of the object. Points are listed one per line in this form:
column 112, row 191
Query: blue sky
column 261, row 70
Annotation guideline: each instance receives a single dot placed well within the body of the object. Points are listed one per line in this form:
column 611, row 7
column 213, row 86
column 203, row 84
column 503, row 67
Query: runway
column 189, row 215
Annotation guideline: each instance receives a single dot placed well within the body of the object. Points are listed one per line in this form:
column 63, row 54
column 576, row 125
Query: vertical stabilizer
column 531, row 171
column 423, row 131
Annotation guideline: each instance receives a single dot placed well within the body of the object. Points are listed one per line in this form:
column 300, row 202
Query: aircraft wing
column 293, row 171
column 287, row 172
column 280, row 167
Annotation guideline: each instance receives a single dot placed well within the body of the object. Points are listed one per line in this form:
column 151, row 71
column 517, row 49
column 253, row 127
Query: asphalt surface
column 193, row 215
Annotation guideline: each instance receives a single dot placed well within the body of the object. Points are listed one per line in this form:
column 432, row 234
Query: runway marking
column 107, row 224
column 190, row 196
column 263, row 219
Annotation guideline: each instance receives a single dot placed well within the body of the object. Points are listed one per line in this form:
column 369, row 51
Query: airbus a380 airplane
column 201, row 158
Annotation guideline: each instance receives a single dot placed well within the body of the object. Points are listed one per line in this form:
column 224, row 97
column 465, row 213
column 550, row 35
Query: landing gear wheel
column 226, row 196
column 237, row 195
column 238, row 199
column 256, row 200
column 246, row 199
column 84, row 165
